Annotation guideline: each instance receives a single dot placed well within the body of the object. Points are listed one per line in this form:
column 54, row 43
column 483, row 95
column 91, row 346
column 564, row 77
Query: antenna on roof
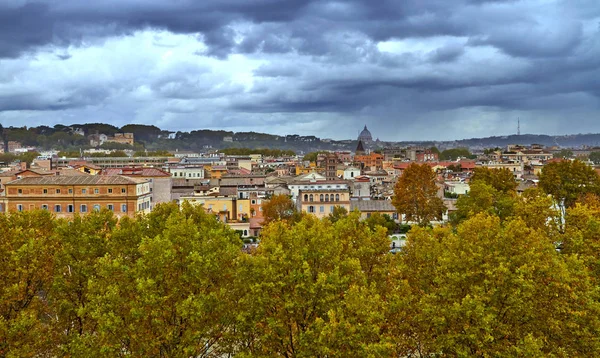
column 518, row 126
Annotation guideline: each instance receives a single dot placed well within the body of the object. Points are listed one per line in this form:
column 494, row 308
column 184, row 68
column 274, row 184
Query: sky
column 409, row 70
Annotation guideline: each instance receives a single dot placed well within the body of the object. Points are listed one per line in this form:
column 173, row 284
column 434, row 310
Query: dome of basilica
column 365, row 135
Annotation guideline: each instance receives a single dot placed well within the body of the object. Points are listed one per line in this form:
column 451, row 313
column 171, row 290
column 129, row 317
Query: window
column 321, row 209
column 253, row 202
column 57, row 208
column 20, row 191
column 368, row 215
column 305, row 197
column 310, row 198
column 123, row 208
column 96, row 191
column 83, row 191
column 311, row 209
column 321, row 197
column 245, row 232
column 19, row 207
column 96, row 207
column 110, row 207
column 337, row 197
column 70, row 191
column 331, row 208
column 44, row 206
column 83, row 208
column 326, row 197
column 122, row 190
column 70, row 208
column 110, row 191
column 57, row 191
column 45, row 191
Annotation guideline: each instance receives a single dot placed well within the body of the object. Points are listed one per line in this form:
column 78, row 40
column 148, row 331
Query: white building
column 193, row 172
column 350, row 173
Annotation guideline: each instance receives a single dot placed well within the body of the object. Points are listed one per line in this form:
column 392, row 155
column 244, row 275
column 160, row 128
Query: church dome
column 365, row 135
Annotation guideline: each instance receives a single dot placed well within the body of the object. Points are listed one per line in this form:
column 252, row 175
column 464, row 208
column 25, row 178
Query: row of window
column 321, row 186
column 312, row 209
column 143, row 206
column 322, row 197
column 189, row 175
column 70, row 208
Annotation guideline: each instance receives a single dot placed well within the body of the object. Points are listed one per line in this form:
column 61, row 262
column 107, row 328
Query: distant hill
column 150, row 137
column 571, row 141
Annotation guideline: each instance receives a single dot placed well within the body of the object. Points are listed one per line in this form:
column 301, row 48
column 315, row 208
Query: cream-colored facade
column 321, row 202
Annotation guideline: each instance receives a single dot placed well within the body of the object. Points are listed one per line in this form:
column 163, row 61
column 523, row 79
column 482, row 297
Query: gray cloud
column 186, row 64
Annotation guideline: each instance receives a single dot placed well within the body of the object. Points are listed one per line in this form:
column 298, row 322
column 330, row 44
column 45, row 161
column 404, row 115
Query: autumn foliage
column 175, row 283
column 415, row 195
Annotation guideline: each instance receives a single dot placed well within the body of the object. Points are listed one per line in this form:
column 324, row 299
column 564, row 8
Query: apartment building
column 321, row 201
column 67, row 195
column 160, row 181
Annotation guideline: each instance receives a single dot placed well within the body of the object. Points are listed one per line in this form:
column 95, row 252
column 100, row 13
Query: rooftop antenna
column 518, row 126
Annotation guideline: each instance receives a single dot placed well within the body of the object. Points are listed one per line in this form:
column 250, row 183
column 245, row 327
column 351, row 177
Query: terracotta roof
column 77, row 180
column 17, row 172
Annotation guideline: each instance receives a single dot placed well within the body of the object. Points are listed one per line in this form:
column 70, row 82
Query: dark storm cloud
column 354, row 58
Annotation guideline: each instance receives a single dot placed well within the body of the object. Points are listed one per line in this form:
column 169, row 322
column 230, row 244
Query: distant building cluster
column 234, row 187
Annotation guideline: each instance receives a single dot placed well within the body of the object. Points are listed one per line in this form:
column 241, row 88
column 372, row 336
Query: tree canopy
column 176, row 283
column 415, row 195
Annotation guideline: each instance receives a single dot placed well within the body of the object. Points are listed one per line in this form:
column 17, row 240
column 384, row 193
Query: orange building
column 67, row 195
column 371, row 161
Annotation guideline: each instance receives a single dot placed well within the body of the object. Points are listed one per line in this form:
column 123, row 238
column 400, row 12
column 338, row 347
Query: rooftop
column 372, row 205
column 78, row 180
column 142, row 172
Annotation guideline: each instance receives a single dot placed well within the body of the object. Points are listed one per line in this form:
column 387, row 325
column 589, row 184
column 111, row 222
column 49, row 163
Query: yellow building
column 216, row 171
column 312, row 168
column 321, row 202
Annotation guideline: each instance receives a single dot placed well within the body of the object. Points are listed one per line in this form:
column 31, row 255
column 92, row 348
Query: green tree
column 28, row 157
column 338, row 213
column 563, row 154
column 566, row 181
column 415, row 195
column 500, row 179
column 308, row 291
column 27, row 255
column 176, row 297
column 595, row 157
column 312, row 156
column 377, row 219
column 84, row 242
column 491, row 191
column 494, row 289
column 455, row 153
